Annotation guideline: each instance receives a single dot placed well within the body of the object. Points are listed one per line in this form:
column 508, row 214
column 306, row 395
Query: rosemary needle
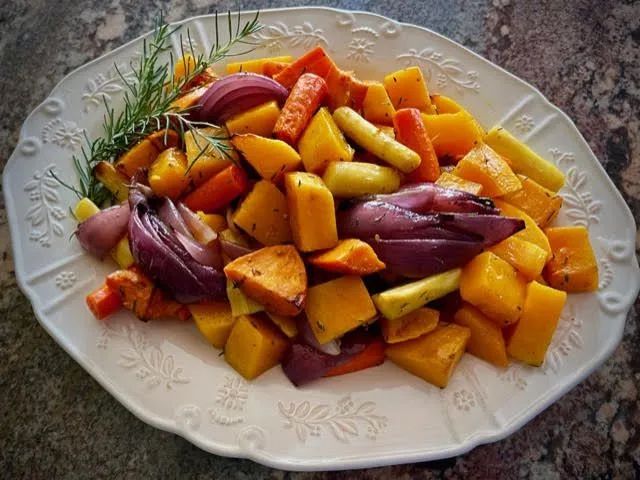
column 148, row 99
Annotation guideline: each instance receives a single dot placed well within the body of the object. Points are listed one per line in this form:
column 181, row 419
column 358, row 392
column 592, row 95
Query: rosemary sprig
column 148, row 100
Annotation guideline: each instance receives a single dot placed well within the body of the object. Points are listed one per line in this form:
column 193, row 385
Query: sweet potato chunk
column 273, row 276
column 349, row 257
column 410, row 326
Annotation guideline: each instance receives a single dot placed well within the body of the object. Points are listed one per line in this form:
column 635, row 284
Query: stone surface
column 56, row 422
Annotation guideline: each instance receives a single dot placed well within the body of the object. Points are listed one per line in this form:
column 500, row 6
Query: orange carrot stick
column 411, row 132
column 104, row 301
column 315, row 61
column 133, row 287
column 306, row 96
column 357, row 92
column 272, row 68
column 371, row 356
column 219, row 190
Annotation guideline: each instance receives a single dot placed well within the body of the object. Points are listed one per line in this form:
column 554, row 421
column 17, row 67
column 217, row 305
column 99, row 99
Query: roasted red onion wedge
column 101, row 232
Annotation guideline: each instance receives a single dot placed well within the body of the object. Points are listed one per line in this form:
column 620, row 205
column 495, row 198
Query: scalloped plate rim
column 344, row 462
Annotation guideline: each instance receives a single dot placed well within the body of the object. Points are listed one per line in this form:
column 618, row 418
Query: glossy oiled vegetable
column 434, row 356
column 526, row 257
column 369, row 137
column 145, row 152
column 99, row 233
column 167, row 173
column 524, row 160
column 114, row 180
column 204, row 161
column 355, row 179
column 322, row 143
column 259, row 120
column 540, row 203
column 573, row 266
column 240, row 303
column 540, row 314
column 486, row 341
column 410, row 131
column 453, row 134
column 273, row 276
column 531, row 233
column 315, row 61
column 401, row 300
column 264, row 214
column 311, row 212
column 407, row 89
column 349, row 257
column 104, row 301
column 257, row 65
column 336, row 307
column 449, row 180
column 218, row 191
column 409, row 326
column 377, row 106
column 484, row 166
column 214, row 320
column 493, row 286
column 271, row 158
column 254, row 346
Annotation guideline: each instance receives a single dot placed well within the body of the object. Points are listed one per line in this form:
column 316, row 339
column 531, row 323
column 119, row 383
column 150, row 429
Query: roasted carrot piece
column 315, row 61
column 357, row 91
column 371, row 356
column 306, row 96
column 104, row 301
column 339, row 87
column 134, row 287
column 219, row 190
column 272, row 68
column 162, row 307
column 411, row 132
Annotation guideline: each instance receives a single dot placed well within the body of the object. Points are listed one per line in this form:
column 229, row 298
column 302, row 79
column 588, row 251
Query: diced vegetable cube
column 486, row 341
column 531, row 233
column 254, row 346
column 214, row 320
column 349, row 257
column 286, row 324
column 524, row 160
column 493, row 286
column 540, row 203
column 218, row 191
column 573, row 267
column 203, row 160
column 121, row 253
column 377, row 106
column 484, row 166
column 273, row 276
column 104, row 301
column 271, row 158
column 336, row 307
column 215, row 221
column 369, row 137
column 445, row 104
column 134, row 287
column 240, row 303
column 184, row 67
column 263, row 214
column 407, row 89
column 355, row 179
column 255, row 65
column 532, row 334
column 259, row 120
column 322, row 143
column 432, row 357
column 145, row 152
column 409, row 326
column 84, row 209
column 311, row 212
column 452, row 134
column 167, row 173
column 401, row 300
column 526, row 257
column 449, row 180
column 113, row 180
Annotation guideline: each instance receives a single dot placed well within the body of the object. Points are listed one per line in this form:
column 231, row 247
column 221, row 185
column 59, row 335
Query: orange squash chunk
column 486, row 341
column 273, row 276
column 526, row 257
column 484, row 166
column 452, row 134
column 349, row 257
column 540, row 203
column 410, row 326
column 531, row 336
column 573, row 267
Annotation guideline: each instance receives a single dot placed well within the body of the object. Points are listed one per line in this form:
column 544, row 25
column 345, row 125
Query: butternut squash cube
column 494, row 287
column 526, row 257
column 412, row 325
column 524, row 160
column 272, row 276
column 271, row 158
column 532, row 334
column 322, row 142
column 263, row 214
column 377, row 106
column 204, row 161
column 145, row 152
column 449, row 180
column 484, row 166
column 336, row 307
column 486, row 341
column 407, row 89
column 432, row 357
column 311, row 212
column 113, row 180
column 573, row 266
column 540, row 203
column 214, row 320
column 215, row 221
column 286, row 324
column 254, row 346
column 531, row 233
column 255, row 65
column 167, row 173
column 452, row 134
column 349, row 257
column 443, row 104
column 259, row 120
column 184, row 67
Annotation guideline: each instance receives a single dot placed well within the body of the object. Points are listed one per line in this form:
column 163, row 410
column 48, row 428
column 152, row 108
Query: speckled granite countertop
column 56, row 422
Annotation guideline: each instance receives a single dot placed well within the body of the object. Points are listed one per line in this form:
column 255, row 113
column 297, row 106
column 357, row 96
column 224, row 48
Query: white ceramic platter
column 167, row 375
